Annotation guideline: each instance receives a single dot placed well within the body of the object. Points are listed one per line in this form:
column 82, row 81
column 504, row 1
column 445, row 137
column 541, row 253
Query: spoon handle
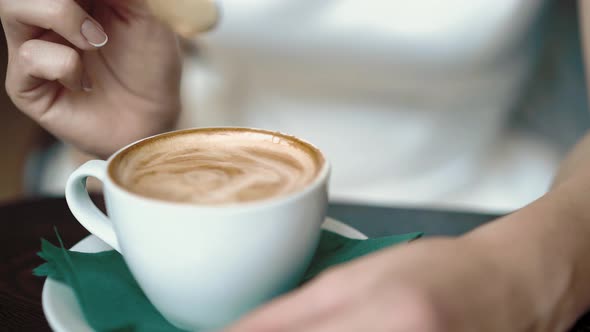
column 187, row 17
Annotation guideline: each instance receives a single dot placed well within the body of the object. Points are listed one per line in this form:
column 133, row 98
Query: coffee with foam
column 217, row 166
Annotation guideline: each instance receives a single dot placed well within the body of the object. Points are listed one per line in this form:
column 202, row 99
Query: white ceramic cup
column 204, row 266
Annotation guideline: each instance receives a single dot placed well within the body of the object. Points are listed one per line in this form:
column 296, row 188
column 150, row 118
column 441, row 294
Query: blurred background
column 457, row 104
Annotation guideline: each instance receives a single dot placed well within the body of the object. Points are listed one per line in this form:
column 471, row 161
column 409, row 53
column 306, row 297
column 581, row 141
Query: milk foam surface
column 217, row 167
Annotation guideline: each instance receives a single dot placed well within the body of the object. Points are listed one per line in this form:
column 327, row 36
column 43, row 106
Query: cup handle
column 82, row 206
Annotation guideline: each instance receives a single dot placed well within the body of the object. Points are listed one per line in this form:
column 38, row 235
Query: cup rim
column 321, row 177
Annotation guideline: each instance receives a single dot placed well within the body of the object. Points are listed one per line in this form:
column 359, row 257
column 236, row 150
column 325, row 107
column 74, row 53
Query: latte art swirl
column 218, row 169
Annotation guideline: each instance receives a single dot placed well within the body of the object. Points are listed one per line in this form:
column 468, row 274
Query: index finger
column 24, row 20
column 318, row 298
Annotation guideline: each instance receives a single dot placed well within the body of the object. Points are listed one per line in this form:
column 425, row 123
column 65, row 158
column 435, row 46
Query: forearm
column 546, row 246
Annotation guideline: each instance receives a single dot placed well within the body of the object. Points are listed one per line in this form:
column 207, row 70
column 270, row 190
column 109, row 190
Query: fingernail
column 86, row 83
column 94, row 34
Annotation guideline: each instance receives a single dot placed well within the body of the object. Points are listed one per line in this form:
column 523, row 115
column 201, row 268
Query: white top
column 408, row 99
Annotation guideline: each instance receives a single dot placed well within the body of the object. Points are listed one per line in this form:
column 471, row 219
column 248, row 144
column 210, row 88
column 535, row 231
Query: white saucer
column 61, row 307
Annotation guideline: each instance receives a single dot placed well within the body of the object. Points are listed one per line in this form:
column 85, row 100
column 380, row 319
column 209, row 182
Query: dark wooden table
column 23, row 223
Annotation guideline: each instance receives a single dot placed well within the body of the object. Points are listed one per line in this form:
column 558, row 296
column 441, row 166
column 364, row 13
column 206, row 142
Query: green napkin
column 111, row 300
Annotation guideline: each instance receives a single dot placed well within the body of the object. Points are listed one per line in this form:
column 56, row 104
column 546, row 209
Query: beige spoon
column 187, row 17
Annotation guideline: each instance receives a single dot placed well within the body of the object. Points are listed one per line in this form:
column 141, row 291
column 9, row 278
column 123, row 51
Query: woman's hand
column 426, row 286
column 98, row 74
